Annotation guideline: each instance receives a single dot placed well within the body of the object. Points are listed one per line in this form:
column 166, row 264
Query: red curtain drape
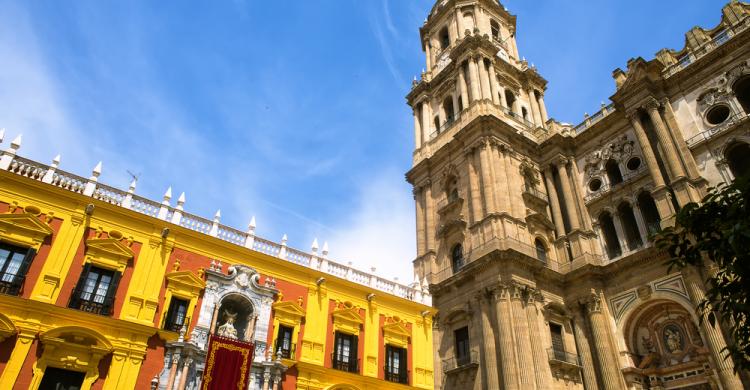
column 228, row 364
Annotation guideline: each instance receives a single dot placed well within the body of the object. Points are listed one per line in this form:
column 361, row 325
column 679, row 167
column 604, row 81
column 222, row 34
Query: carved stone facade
column 535, row 236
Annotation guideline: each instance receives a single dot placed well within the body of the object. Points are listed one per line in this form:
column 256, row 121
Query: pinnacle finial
column 217, row 216
column 131, row 189
column 315, row 245
column 97, row 169
column 252, row 223
column 181, row 199
column 16, row 143
column 56, row 161
column 284, row 240
column 325, row 248
column 168, row 194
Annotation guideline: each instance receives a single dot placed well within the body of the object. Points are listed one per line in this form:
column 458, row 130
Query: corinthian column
column 474, row 80
column 723, row 363
column 648, row 153
column 584, row 351
column 488, row 342
column 523, row 344
column 484, row 79
column 554, row 203
column 608, row 366
column 487, row 179
column 505, row 336
column 462, row 88
column 542, row 372
column 417, row 131
column 567, row 193
column 474, row 197
column 673, row 160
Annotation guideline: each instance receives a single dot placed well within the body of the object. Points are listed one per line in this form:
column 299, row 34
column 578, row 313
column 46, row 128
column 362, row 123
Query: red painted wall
column 35, row 269
column 6, row 348
column 152, row 364
column 24, row 377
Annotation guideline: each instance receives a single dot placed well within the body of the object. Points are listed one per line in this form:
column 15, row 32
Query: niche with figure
column 236, row 318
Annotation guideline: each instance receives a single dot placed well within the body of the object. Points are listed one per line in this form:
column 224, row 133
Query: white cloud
column 380, row 230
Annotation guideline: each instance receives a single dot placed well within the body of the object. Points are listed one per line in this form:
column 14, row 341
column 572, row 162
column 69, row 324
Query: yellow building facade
column 103, row 289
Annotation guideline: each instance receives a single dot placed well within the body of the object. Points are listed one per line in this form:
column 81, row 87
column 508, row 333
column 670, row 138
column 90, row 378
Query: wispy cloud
column 377, row 21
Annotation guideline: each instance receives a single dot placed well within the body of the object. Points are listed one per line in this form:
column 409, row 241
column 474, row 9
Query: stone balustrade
column 50, row 174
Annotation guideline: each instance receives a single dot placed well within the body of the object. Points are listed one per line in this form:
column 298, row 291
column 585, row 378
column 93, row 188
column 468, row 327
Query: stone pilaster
column 608, row 365
column 501, row 182
column 429, row 217
column 473, row 80
column 426, row 120
column 475, row 202
column 542, row 372
column 488, row 343
column 417, row 131
column 584, row 351
column 486, row 172
column 522, row 341
column 463, row 89
column 419, row 202
column 723, row 363
column 484, row 79
column 505, row 336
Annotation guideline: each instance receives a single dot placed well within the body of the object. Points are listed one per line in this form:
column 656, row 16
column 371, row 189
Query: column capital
column 651, row 104
column 593, row 303
column 517, row 291
column 501, row 292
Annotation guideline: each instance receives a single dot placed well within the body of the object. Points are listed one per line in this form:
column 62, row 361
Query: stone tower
column 534, row 236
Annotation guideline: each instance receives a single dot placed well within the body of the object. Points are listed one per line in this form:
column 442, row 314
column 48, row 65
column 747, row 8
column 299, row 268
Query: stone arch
column 734, row 154
column 542, row 248
column 342, row 387
column 629, row 225
column 611, row 241
column 244, row 309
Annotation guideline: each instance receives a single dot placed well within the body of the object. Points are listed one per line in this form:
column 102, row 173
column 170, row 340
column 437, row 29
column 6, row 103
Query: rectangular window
column 462, row 346
column 345, row 352
column 395, row 365
column 176, row 314
column 558, row 348
column 14, row 263
column 95, row 292
column 284, row 343
column 59, row 379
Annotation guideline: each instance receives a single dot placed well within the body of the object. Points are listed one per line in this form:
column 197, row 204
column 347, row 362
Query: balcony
column 561, row 361
column 92, row 303
column 286, row 353
column 455, row 364
column 352, row 365
column 606, row 188
column 398, row 377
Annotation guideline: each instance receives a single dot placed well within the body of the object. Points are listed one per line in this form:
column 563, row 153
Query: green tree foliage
column 715, row 235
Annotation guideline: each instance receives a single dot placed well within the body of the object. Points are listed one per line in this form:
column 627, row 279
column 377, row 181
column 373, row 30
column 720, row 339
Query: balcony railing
column 453, row 363
column 401, row 377
column 536, row 193
column 286, row 353
column 93, row 303
column 556, row 355
column 10, row 284
column 352, row 365
column 718, row 129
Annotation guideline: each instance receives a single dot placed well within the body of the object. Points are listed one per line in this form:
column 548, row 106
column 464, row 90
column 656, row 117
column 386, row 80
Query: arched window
column 451, row 190
column 541, row 250
column 738, row 157
column 457, row 258
column 742, row 92
column 436, row 121
column 611, row 243
column 448, row 109
column 445, row 38
column 495, row 28
column 613, row 172
column 632, row 235
column 524, row 113
column 510, row 99
column 649, row 212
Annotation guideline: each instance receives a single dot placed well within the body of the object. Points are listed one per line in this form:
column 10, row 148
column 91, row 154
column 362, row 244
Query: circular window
column 634, row 163
column 595, row 184
column 717, row 114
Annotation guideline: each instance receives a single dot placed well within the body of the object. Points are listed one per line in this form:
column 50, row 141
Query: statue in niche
column 227, row 329
column 651, row 359
column 673, row 339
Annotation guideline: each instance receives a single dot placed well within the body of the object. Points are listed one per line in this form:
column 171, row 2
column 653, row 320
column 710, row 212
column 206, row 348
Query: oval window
column 717, row 114
column 634, row 163
column 595, row 184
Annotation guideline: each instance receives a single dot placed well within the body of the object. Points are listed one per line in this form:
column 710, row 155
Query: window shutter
column 354, row 355
column 403, row 366
column 75, row 298
column 109, row 301
column 22, row 270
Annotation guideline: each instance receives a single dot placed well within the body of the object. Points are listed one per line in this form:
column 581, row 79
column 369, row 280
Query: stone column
column 462, row 87
column 474, row 197
column 640, row 222
column 723, row 363
column 534, row 108
column 505, row 337
column 474, row 80
column 608, row 365
column 419, row 202
column 426, row 121
column 484, row 79
column 543, row 110
column 523, row 343
column 215, row 317
column 673, row 160
column 488, row 342
column 578, row 192
column 417, row 131
column 542, row 372
column 173, row 370
column 570, row 207
column 429, row 217
column 503, row 200
column 687, row 156
column 493, row 83
column 459, row 23
column 621, row 238
column 266, row 378
column 183, row 376
column 648, row 152
column 509, row 174
column 501, row 95
column 456, row 112
column 487, row 179
column 554, row 203
column 584, row 351
column 428, row 54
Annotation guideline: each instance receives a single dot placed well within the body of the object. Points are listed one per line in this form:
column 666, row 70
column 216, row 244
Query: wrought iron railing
column 460, row 361
column 91, row 302
column 398, row 377
column 559, row 355
column 286, row 353
column 10, row 284
column 351, row 365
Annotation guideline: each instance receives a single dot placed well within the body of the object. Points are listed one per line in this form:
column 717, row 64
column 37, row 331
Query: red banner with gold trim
column 228, row 364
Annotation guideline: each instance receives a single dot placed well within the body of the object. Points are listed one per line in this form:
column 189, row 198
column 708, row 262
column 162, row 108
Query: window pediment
column 290, row 313
column 25, row 229
column 109, row 253
column 185, row 283
column 395, row 332
column 346, row 318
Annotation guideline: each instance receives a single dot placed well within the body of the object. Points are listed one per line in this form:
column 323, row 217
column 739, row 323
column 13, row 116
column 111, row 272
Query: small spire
column 2, row 134
column 16, row 143
column 252, row 223
column 284, row 240
column 325, row 249
column 315, row 245
column 97, row 170
column 168, row 194
column 181, row 199
column 56, row 161
column 131, row 189
column 217, row 216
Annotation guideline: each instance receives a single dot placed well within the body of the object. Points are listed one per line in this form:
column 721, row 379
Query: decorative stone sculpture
column 227, row 329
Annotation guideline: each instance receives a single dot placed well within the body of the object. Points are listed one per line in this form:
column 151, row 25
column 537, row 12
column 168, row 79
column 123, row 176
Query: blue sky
column 292, row 111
